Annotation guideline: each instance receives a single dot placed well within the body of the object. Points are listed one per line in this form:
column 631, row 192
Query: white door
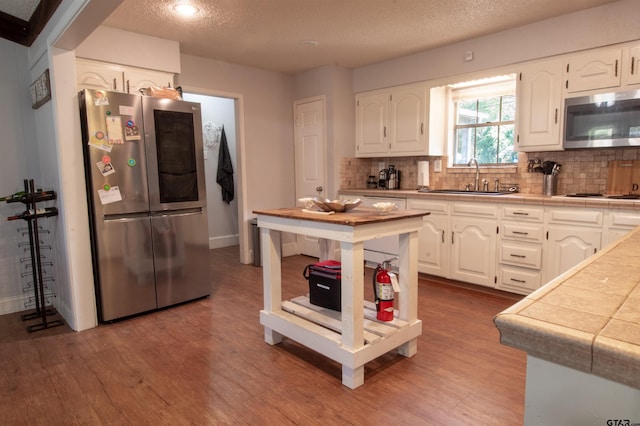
column 310, row 157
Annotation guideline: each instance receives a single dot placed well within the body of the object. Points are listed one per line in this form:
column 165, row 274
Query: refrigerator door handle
column 181, row 212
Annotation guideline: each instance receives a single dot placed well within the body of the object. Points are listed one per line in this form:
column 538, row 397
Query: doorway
column 220, row 116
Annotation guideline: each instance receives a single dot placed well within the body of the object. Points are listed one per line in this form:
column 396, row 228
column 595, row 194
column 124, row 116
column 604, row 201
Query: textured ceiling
column 22, row 9
column 274, row 34
column 271, row 34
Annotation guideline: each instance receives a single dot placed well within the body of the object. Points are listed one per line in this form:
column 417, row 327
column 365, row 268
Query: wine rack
column 36, row 263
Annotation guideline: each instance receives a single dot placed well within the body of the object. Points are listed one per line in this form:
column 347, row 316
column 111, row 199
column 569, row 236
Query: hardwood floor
column 206, row 362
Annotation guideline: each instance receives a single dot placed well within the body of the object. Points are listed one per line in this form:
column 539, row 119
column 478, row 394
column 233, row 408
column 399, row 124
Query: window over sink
column 483, row 121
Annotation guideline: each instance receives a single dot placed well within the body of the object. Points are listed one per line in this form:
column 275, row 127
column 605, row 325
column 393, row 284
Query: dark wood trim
column 23, row 32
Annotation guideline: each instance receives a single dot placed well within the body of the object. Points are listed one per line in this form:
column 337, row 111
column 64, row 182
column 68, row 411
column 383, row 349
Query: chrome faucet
column 477, row 180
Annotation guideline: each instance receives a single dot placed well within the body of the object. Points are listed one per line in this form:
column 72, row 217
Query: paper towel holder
column 423, row 175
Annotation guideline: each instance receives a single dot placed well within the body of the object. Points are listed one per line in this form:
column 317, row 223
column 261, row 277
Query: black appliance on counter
column 389, row 178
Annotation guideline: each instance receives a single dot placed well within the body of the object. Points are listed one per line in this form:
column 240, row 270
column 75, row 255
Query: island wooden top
column 355, row 217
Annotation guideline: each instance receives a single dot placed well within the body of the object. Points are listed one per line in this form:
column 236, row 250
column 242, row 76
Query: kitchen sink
column 462, row 192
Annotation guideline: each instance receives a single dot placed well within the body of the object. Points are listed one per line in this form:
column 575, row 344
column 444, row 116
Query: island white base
column 558, row 395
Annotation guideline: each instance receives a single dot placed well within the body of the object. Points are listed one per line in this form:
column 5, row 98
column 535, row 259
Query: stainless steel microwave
column 602, row 120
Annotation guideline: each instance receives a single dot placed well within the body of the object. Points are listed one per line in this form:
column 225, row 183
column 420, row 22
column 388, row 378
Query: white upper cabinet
column 372, row 116
column 539, row 97
column 594, row 70
column 631, row 63
column 408, row 120
column 394, row 122
column 136, row 79
column 95, row 75
column 105, row 76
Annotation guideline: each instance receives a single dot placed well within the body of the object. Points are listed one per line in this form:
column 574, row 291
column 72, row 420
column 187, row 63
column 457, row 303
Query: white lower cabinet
column 433, row 238
column 520, row 249
column 572, row 236
column 510, row 247
column 473, row 243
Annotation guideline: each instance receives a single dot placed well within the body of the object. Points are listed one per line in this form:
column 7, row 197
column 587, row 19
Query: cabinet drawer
column 523, row 231
column 437, row 207
column 622, row 219
column 474, row 209
column 516, row 280
column 579, row 217
column 529, row 214
column 526, row 255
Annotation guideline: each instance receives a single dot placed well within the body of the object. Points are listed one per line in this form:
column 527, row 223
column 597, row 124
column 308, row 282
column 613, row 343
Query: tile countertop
column 588, row 318
column 517, row 198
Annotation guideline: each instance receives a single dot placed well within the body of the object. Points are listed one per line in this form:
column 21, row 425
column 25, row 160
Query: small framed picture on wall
column 40, row 90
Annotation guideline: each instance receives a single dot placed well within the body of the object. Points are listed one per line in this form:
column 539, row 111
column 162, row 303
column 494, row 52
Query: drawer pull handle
column 518, row 281
column 518, row 256
column 521, row 213
column 520, row 233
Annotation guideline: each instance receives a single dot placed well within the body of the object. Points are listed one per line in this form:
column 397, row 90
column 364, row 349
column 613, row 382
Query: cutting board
column 624, row 177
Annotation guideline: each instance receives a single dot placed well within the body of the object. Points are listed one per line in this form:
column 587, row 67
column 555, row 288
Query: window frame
column 500, row 85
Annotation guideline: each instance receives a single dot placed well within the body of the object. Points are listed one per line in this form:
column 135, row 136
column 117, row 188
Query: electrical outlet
column 437, row 165
column 380, row 165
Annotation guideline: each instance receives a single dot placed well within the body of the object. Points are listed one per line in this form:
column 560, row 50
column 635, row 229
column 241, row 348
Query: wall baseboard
column 9, row 305
column 223, row 241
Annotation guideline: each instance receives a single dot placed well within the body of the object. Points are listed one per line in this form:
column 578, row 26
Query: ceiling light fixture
column 185, row 9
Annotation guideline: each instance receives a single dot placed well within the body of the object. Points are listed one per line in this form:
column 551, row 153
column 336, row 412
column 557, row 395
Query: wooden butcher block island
column 353, row 336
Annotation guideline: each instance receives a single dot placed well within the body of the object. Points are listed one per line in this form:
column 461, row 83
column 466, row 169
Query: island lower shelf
column 319, row 329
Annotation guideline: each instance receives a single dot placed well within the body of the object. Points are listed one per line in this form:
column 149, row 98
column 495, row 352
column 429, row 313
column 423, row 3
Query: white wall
column 268, row 125
column 17, row 124
column 336, row 84
column 105, row 44
column 609, row 24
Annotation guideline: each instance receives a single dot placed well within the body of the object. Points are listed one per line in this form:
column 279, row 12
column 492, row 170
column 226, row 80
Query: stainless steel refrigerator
column 144, row 168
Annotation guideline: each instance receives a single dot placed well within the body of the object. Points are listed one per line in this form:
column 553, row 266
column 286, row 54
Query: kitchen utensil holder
column 549, row 185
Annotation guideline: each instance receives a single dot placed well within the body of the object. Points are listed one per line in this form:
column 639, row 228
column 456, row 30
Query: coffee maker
column 389, row 178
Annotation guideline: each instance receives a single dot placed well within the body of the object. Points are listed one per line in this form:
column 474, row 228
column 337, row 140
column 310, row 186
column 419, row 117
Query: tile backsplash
column 582, row 170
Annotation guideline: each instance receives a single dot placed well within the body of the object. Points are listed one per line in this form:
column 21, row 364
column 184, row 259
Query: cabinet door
column 566, row 247
column 407, row 120
column 433, row 246
column 592, row 71
column 539, row 107
column 372, row 112
column 92, row 75
column 134, row 80
column 633, row 66
column 473, row 250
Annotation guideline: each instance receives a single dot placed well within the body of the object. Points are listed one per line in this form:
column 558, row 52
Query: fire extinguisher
column 384, row 289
